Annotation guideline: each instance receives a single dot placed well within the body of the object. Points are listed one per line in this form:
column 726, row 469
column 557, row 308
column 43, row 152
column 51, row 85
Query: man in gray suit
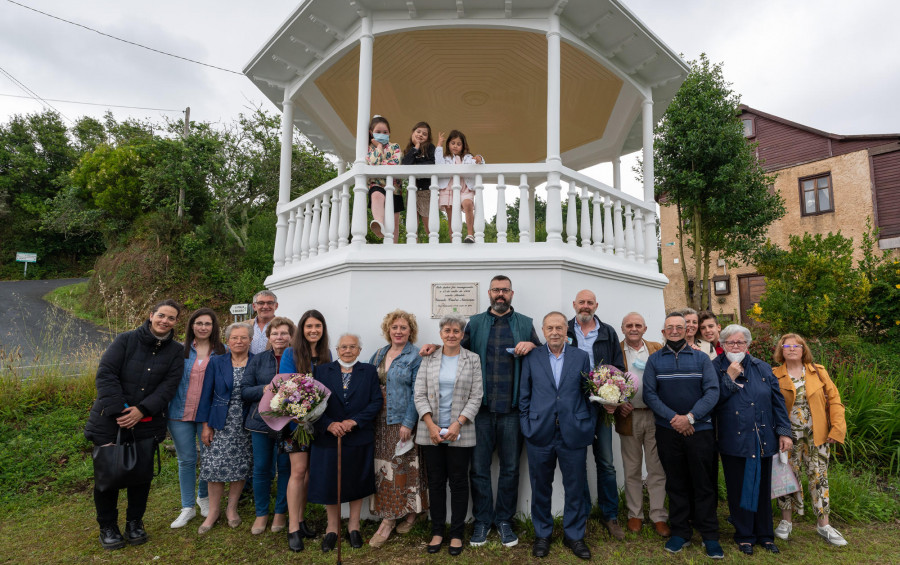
column 558, row 424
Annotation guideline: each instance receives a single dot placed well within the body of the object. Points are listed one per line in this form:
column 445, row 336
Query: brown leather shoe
column 662, row 529
column 614, row 529
column 634, row 524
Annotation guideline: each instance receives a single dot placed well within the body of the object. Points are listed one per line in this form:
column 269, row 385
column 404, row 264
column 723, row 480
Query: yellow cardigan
column 824, row 402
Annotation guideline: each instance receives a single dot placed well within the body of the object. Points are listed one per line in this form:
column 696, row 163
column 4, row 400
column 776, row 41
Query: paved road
column 35, row 333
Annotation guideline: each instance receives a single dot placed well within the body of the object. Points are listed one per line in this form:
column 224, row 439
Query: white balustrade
column 610, row 221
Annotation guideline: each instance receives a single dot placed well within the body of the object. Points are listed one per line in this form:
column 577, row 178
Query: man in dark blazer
column 558, row 424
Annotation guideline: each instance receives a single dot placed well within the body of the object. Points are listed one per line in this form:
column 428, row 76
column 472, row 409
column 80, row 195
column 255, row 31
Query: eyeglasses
column 203, row 324
column 501, row 290
column 672, row 328
column 347, row 347
column 266, row 303
column 788, row 347
column 735, row 343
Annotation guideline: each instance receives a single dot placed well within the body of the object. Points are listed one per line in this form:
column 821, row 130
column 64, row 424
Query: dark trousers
column 541, row 469
column 501, row 432
column 749, row 527
column 107, row 502
column 691, row 475
column 445, row 464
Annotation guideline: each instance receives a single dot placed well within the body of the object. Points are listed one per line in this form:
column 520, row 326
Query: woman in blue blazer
column 352, row 408
column 228, row 450
column 752, row 426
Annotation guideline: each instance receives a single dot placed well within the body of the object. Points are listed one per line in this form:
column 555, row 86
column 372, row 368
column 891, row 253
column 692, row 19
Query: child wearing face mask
column 457, row 152
column 420, row 151
column 383, row 152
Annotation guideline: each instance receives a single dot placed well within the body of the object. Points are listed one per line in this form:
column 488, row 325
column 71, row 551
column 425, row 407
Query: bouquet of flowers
column 608, row 385
column 294, row 398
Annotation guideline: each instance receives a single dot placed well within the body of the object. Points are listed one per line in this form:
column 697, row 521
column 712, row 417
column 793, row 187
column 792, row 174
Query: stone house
column 829, row 183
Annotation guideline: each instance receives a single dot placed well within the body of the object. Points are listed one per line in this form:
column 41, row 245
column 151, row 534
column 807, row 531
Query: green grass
column 71, row 299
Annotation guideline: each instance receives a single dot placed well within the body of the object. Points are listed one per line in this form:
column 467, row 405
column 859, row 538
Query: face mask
column 638, row 364
column 345, row 364
column 675, row 345
column 735, row 357
column 381, row 138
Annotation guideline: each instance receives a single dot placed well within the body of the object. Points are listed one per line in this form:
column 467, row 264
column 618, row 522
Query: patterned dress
column 400, row 484
column 805, row 452
column 229, row 455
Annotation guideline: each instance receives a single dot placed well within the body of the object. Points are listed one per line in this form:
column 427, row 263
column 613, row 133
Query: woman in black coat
column 354, row 404
column 137, row 377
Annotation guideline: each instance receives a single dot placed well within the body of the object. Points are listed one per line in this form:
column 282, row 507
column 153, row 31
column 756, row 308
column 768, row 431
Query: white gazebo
column 542, row 88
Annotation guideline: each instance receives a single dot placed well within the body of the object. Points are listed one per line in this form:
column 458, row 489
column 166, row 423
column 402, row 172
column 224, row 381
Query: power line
column 124, row 40
column 95, row 103
column 32, row 93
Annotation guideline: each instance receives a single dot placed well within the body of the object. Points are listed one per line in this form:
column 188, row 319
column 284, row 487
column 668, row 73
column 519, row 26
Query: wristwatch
column 690, row 418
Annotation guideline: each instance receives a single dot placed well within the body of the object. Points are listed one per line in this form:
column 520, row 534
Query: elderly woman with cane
column 345, row 433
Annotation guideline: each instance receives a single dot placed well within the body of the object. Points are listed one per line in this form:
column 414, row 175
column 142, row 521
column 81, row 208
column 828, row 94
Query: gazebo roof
column 479, row 66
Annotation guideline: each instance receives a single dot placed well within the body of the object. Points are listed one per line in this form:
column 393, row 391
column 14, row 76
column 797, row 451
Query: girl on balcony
column 420, row 151
column 457, row 153
column 383, row 152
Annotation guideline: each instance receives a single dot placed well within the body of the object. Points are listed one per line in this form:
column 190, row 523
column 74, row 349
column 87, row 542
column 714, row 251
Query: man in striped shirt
column 682, row 388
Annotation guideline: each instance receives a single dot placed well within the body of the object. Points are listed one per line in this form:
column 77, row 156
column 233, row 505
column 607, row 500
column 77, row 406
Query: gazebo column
column 650, row 248
column 284, row 178
column 363, row 109
column 554, row 206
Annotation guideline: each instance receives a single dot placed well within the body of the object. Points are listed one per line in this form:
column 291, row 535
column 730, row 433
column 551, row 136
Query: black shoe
column 306, row 531
column 134, row 532
column 328, row 542
column 436, row 547
column 356, row 540
column 295, row 541
column 111, row 538
column 454, row 551
column 746, row 548
column 578, row 547
column 541, row 547
column 770, row 547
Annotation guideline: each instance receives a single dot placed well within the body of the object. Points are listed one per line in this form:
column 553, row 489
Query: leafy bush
column 881, row 313
column 812, row 288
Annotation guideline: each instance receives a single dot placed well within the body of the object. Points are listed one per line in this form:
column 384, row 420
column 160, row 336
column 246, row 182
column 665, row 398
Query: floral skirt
column 400, row 482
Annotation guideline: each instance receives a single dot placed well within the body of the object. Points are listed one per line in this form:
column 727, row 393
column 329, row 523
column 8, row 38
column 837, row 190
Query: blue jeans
column 500, row 431
column 607, row 489
column 265, row 459
column 186, row 435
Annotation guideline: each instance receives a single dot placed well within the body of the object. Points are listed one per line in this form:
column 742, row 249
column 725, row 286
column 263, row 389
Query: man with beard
column 501, row 337
column 600, row 341
column 681, row 387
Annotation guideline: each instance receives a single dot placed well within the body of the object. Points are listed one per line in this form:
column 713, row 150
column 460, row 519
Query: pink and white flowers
column 295, row 397
column 608, row 385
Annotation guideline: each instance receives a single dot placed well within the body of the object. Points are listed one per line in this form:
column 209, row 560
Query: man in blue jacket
column 682, row 388
column 601, row 342
column 558, row 424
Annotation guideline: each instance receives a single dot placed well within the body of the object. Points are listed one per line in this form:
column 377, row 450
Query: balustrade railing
column 611, row 222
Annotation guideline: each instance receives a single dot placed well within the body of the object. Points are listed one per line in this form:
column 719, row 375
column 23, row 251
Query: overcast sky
column 830, row 64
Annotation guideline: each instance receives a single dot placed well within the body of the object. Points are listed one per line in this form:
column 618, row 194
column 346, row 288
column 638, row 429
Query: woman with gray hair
column 448, row 393
column 753, row 426
column 228, row 450
column 350, row 414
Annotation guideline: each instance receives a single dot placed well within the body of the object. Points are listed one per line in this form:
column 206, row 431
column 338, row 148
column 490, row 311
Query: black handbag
column 123, row 464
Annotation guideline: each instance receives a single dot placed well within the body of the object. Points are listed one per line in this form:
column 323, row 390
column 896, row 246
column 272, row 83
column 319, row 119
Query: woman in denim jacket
column 200, row 344
column 399, row 486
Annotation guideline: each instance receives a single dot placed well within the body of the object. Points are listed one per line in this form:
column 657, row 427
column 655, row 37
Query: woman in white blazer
column 447, row 395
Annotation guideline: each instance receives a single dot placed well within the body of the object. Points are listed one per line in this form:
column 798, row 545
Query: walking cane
column 339, row 502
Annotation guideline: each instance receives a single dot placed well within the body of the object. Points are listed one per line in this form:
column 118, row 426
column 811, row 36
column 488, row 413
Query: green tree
column 706, row 169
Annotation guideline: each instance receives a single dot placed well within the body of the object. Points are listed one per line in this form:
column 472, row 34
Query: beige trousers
column 641, row 446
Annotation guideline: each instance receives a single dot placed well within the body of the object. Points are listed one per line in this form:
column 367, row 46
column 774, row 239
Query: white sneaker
column 187, row 514
column 831, row 535
column 784, row 529
column 203, row 503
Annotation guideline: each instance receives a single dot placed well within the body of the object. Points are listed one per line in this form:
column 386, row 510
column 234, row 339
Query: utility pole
column 184, row 135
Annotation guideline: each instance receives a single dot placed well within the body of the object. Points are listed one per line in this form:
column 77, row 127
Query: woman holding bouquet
column 309, row 348
column 399, row 482
column 260, row 371
column 352, row 408
column 221, row 409
column 753, row 426
column 448, row 394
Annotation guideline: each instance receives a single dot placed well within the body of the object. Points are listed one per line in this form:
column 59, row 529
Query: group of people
column 414, row 421
column 452, row 149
